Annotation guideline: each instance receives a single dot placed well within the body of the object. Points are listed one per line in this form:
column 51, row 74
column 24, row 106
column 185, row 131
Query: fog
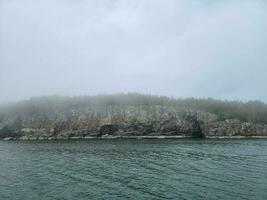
column 177, row 48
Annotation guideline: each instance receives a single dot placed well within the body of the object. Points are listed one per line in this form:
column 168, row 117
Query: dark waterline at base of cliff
column 133, row 169
column 132, row 137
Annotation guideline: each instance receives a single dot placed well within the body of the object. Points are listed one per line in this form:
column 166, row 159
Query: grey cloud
column 179, row 48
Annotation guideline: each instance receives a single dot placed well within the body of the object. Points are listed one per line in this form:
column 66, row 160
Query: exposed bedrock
column 130, row 122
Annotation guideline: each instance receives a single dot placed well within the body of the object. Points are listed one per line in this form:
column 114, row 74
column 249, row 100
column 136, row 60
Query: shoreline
column 23, row 138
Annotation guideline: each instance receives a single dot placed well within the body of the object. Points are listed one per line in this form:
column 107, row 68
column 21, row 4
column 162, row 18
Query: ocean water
column 133, row 169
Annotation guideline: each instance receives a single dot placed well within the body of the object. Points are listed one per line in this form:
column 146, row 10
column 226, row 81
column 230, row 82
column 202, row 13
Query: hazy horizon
column 52, row 96
column 183, row 49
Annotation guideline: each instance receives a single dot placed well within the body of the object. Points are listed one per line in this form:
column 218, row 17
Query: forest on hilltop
column 251, row 111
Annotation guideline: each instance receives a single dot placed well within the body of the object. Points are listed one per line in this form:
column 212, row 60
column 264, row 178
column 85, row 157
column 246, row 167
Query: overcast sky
column 209, row 48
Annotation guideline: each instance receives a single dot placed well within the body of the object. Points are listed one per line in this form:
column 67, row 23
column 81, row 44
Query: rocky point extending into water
column 131, row 116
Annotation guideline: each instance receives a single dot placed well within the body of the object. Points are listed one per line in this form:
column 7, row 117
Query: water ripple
column 134, row 169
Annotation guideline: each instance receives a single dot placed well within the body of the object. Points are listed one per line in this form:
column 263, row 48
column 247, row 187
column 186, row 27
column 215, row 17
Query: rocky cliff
column 118, row 118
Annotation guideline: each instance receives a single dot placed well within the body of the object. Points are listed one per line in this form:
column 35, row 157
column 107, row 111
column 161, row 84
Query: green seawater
column 133, row 169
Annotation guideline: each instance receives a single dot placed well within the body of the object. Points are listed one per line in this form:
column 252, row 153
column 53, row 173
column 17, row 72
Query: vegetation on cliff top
column 252, row 111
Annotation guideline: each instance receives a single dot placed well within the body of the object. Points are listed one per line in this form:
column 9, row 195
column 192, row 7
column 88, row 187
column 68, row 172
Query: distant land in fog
column 131, row 115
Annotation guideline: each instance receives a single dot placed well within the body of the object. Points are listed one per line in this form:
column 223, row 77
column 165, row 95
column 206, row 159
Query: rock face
column 232, row 128
column 126, row 121
column 108, row 130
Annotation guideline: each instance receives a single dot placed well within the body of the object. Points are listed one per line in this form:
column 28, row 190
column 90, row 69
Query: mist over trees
column 47, row 107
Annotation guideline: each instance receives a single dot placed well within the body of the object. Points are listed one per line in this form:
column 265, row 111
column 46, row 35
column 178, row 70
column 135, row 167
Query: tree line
column 251, row 111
